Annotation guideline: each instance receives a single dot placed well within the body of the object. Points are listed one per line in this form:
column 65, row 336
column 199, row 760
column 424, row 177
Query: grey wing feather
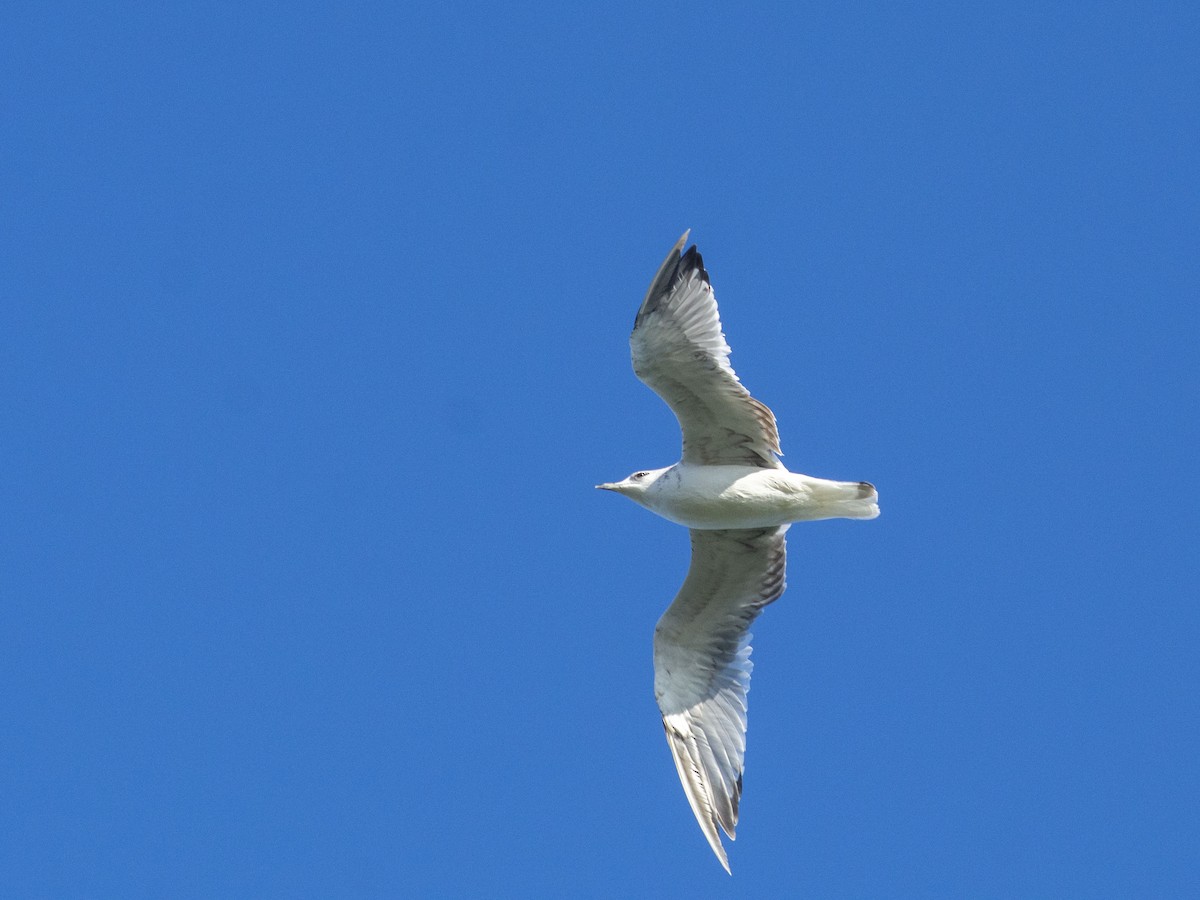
column 680, row 352
column 702, row 666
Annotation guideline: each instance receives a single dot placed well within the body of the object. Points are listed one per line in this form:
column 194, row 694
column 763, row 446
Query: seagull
column 738, row 500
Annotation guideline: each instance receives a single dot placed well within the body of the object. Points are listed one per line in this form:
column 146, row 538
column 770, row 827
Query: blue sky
column 313, row 343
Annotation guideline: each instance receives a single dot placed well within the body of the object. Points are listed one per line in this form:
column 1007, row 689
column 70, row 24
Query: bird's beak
column 606, row 487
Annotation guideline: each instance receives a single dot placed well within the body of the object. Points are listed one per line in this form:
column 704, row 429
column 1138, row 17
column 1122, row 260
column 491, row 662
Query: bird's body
column 737, row 498
column 723, row 497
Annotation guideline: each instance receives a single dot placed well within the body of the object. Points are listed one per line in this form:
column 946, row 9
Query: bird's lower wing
column 702, row 666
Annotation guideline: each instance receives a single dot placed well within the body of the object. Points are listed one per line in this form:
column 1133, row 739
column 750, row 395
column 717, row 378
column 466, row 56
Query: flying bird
column 738, row 499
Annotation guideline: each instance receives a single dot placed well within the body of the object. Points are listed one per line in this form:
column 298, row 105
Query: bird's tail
column 843, row 499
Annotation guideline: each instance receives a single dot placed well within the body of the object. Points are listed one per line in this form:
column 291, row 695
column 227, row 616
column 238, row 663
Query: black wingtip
column 675, row 268
column 690, row 262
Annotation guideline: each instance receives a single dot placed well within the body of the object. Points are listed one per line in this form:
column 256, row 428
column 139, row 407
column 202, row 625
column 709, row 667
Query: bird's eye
column 639, row 475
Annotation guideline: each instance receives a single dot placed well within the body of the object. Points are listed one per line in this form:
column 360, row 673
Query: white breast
column 712, row 497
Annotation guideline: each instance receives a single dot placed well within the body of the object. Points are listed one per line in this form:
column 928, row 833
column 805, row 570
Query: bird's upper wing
column 680, row 352
column 702, row 666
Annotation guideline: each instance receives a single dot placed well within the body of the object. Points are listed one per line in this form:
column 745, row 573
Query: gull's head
column 635, row 486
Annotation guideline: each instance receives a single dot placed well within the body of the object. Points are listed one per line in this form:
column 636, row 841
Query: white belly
column 710, row 497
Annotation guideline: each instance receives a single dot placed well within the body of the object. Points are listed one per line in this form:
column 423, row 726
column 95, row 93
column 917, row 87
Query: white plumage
column 734, row 494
